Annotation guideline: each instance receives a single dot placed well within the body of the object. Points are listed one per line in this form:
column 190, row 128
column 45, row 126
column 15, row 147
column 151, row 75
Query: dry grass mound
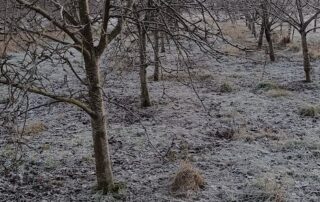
column 34, row 128
column 278, row 93
column 309, row 110
column 226, row 87
column 187, row 179
column 265, row 189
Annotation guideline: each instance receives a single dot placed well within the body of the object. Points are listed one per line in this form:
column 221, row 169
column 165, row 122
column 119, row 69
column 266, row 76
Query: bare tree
column 299, row 14
column 77, row 21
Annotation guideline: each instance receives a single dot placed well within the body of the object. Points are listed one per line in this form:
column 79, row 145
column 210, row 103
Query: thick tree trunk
column 156, row 56
column 270, row 44
column 306, row 58
column 98, row 124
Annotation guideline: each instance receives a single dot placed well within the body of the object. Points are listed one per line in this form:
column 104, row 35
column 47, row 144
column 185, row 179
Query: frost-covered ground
column 250, row 144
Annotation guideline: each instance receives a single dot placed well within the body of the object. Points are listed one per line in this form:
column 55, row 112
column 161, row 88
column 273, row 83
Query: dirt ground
column 248, row 136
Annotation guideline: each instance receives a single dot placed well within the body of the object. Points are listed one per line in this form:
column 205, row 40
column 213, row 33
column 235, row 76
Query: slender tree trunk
column 5, row 31
column 315, row 24
column 163, row 49
column 316, row 19
column 267, row 26
column 289, row 32
column 254, row 31
column 270, row 44
column 292, row 37
column 261, row 34
column 249, row 24
column 144, row 97
column 306, row 58
column 98, row 124
column 156, row 56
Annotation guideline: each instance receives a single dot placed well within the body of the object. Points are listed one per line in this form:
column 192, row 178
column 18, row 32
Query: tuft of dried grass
column 309, row 110
column 231, row 50
column 278, row 93
column 187, row 179
column 267, row 85
column 294, row 47
column 265, row 189
column 226, row 87
column 34, row 128
column 269, row 134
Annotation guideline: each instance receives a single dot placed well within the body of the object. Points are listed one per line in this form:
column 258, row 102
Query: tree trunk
column 261, row 34
column 144, row 97
column 267, row 30
column 306, row 58
column 253, row 26
column 156, row 56
column 98, row 123
column 162, row 36
column 248, row 20
column 315, row 24
column 289, row 31
column 292, row 37
column 270, row 44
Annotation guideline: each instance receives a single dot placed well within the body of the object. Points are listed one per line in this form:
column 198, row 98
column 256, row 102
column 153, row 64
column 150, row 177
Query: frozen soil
column 249, row 144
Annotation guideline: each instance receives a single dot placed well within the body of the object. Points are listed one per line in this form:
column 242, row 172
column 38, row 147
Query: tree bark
column 253, row 26
column 261, row 34
column 267, row 30
column 306, row 58
column 98, row 119
column 163, row 49
column 156, row 56
column 289, row 31
column 270, row 43
column 315, row 24
column 144, row 97
column 98, row 123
